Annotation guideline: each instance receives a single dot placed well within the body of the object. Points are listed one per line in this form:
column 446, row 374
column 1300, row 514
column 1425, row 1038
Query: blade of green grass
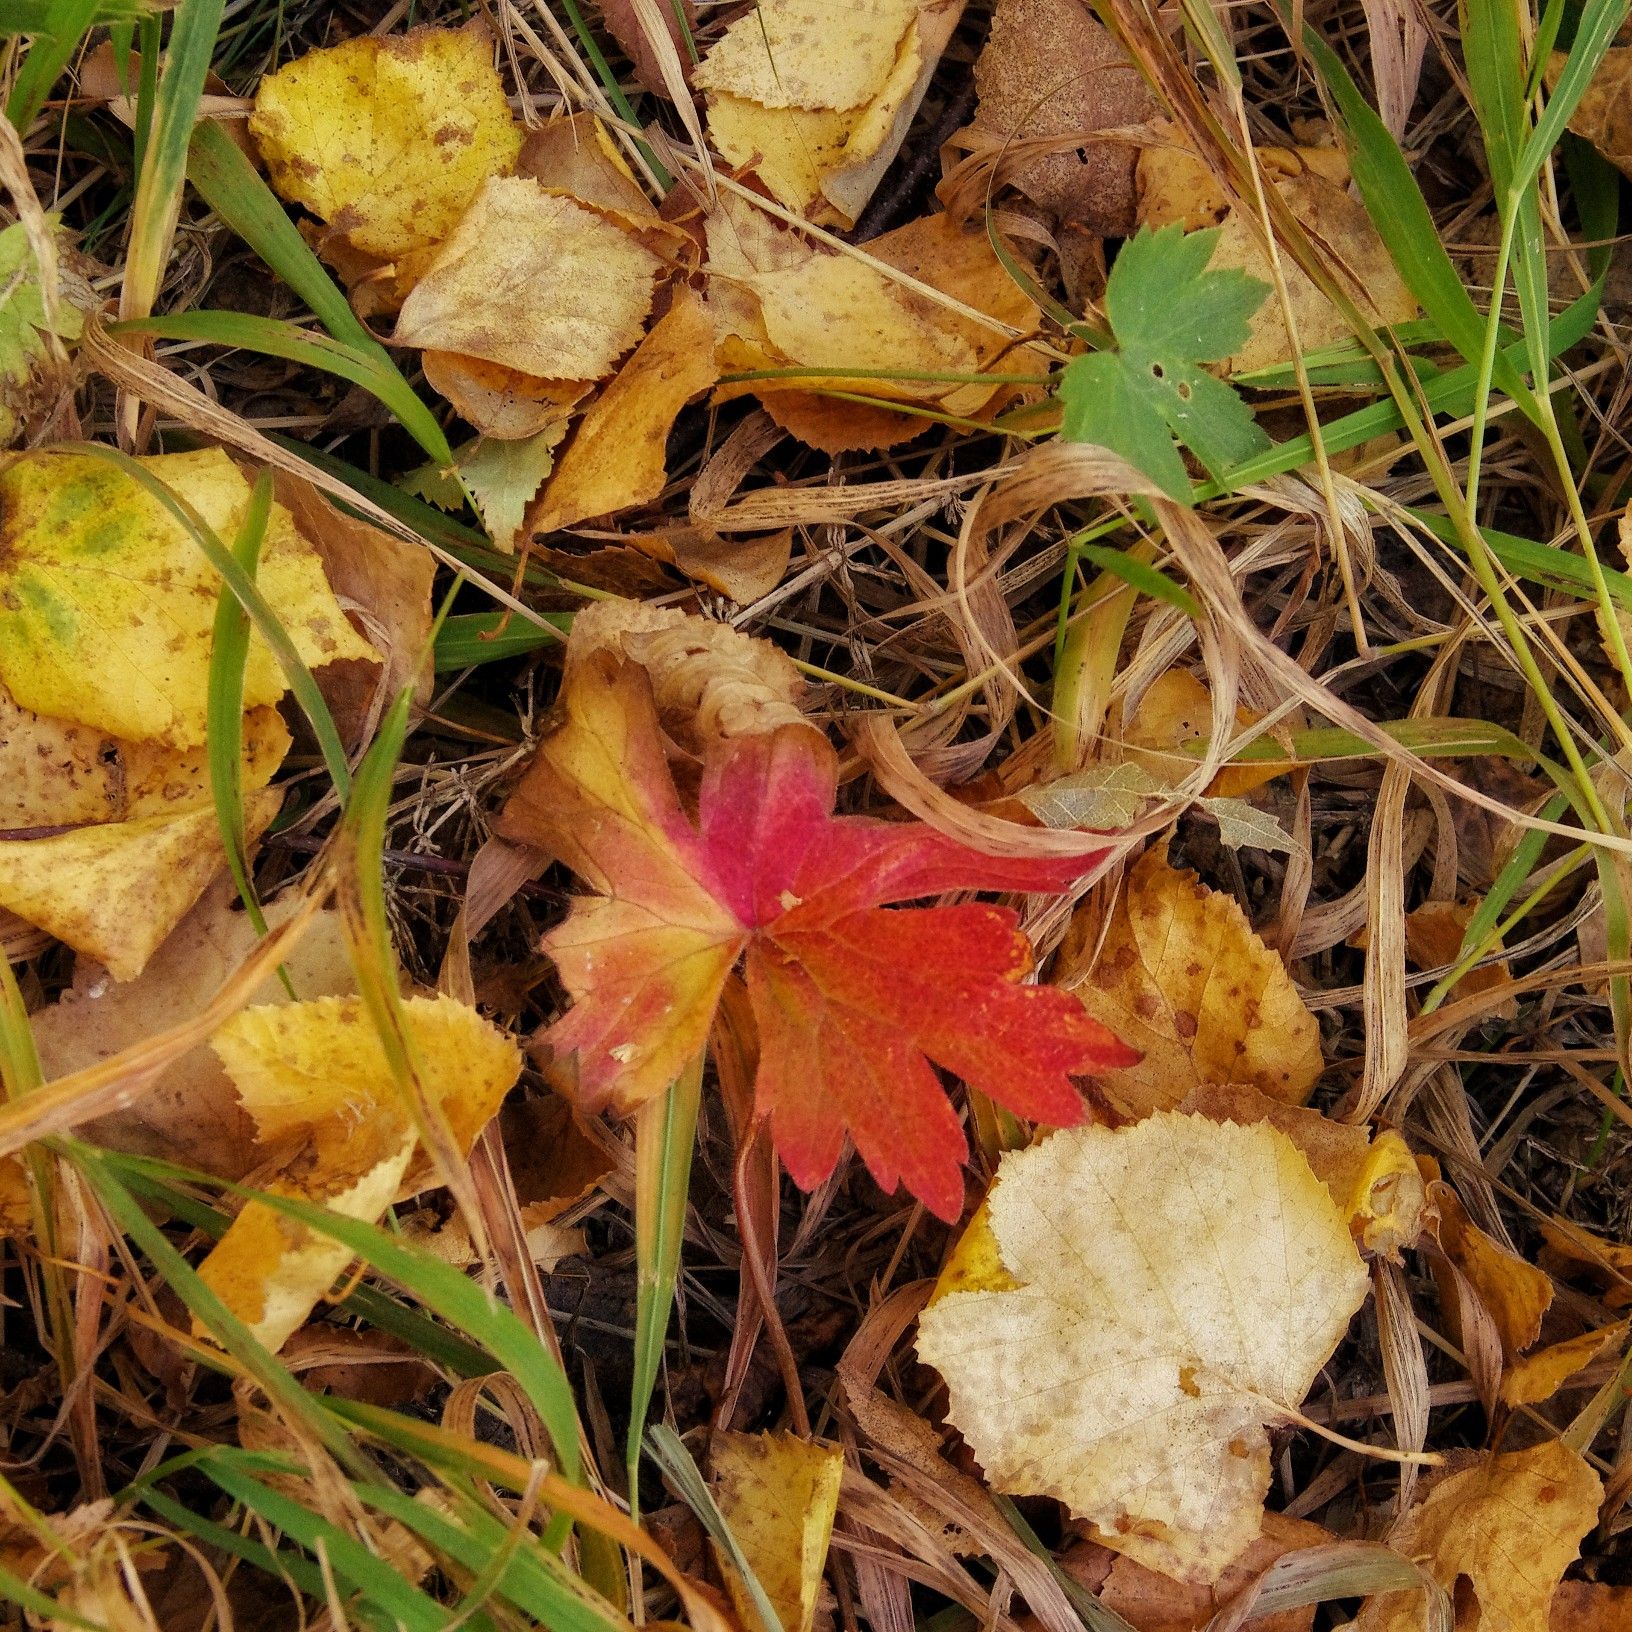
column 665, row 1141
column 157, row 208
column 472, row 638
column 56, row 27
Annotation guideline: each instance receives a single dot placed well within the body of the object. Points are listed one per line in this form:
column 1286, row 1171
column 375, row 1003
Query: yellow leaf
column 319, row 1069
column 1540, row 1376
column 1175, row 185
column 778, row 1494
column 107, row 604
column 388, row 139
column 1510, row 1526
column 616, row 456
column 534, row 282
column 500, row 402
column 116, row 890
column 1175, row 713
column 1516, row 1293
column 1181, row 1283
column 1608, row 1262
column 1181, row 975
column 805, row 54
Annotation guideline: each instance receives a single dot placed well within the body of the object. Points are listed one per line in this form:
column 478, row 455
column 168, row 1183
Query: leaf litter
column 661, row 789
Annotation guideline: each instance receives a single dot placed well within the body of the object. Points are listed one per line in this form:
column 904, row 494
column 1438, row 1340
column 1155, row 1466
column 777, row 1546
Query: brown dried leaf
column 1516, row 1293
column 1050, row 70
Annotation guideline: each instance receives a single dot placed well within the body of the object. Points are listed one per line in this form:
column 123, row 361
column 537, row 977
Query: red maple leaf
column 854, row 995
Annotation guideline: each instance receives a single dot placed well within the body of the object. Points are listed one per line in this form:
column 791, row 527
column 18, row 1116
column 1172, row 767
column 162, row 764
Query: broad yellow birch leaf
column 1508, row 1528
column 534, row 282
column 1374, row 1181
column 318, row 1070
column 804, row 54
column 107, row 604
column 616, row 456
column 115, row 891
column 1539, row 1376
column 1181, row 975
column 1179, row 1284
column 778, row 1494
column 388, row 139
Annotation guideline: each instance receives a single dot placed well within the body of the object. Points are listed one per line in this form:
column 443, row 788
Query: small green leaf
column 25, row 330
column 1168, row 315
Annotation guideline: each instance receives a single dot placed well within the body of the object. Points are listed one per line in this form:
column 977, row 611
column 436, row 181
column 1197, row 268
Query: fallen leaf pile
column 107, row 607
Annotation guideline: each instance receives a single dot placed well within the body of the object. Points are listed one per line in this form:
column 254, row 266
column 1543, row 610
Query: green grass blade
column 224, row 701
column 665, row 1140
column 57, row 27
column 1141, row 575
column 370, row 369
column 473, row 638
column 164, row 158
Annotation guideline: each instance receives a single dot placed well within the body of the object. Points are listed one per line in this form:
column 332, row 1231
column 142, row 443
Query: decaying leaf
column 778, row 1493
column 1585, row 1606
column 1181, row 975
column 1156, row 1603
column 1375, row 1182
column 780, row 304
column 819, row 100
column 616, row 456
column 189, row 1113
column 1176, row 186
column 114, row 891
column 1050, row 70
column 1601, row 117
column 1571, row 1248
column 839, row 981
column 35, row 321
column 533, row 282
column 1508, row 1526
column 387, row 138
column 1180, row 1283
column 1169, row 730
column 1433, row 940
column 1514, row 1292
column 107, row 604
column 1539, row 1376
column 317, row 1072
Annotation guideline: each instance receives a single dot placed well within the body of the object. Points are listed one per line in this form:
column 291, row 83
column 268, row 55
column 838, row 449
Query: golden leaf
column 1182, row 976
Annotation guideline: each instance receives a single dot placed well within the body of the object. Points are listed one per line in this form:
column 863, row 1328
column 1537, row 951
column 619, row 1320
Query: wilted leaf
column 107, row 604
column 1243, row 825
column 1539, row 1376
column 190, row 1112
column 501, row 402
column 822, row 113
column 624, row 23
column 1608, row 1262
column 1176, row 186
column 1584, row 1606
column 616, row 456
column 1156, row 1603
column 1049, row 69
column 1516, row 1293
column 1510, row 1526
column 1181, row 1283
column 115, row 891
column 1101, row 798
column 31, row 339
column 388, row 138
column 318, row 1070
column 1433, row 940
column 778, row 1494
column 1181, row 975
column 1602, row 116
column 779, row 303
column 1172, row 307
column 535, row 283
column 864, row 995
column 1176, row 714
